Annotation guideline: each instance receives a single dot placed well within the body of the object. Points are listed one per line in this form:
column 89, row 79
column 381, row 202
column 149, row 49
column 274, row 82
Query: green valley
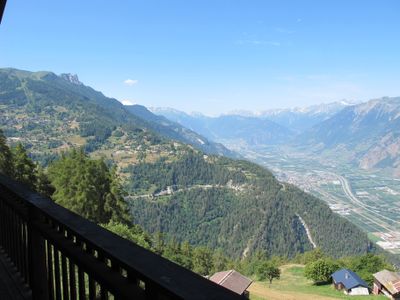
column 367, row 198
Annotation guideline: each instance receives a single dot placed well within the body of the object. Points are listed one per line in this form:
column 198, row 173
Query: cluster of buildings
column 385, row 283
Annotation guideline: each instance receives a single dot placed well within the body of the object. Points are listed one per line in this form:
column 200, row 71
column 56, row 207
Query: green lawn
column 293, row 281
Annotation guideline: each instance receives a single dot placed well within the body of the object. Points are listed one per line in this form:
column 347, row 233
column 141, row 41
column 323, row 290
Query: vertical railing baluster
column 57, row 273
column 81, row 285
column 81, row 275
column 18, row 261
column 117, row 268
column 37, row 258
column 13, row 254
column 92, row 288
column 50, row 270
column 7, row 229
column 26, row 249
column 103, row 290
column 92, row 284
column 132, row 278
column 150, row 291
column 72, row 280
column 64, row 276
column 1, row 222
column 19, row 244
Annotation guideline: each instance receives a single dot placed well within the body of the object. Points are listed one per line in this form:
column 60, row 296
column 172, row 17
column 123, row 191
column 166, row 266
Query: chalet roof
column 232, row 280
column 348, row 278
column 390, row 280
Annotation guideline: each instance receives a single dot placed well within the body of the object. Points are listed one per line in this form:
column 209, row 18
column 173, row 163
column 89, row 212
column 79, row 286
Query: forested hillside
column 234, row 205
column 172, row 187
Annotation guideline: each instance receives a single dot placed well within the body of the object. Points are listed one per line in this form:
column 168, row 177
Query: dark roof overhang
column 2, row 7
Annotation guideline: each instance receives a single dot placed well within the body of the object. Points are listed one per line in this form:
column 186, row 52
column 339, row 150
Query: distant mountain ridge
column 367, row 134
column 301, row 118
column 26, row 88
column 172, row 187
column 251, row 130
column 178, row 132
column 370, row 130
column 295, row 120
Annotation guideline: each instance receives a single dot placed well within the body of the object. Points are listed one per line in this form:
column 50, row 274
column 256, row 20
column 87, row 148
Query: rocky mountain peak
column 72, row 78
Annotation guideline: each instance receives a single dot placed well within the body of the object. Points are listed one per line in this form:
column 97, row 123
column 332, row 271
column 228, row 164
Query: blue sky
column 212, row 56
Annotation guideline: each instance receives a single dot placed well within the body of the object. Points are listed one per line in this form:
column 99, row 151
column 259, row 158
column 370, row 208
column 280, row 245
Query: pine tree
column 6, row 160
column 24, row 167
column 202, row 261
column 43, row 184
column 115, row 202
column 159, row 243
column 187, row 253
column 89, row 188
column 220, row 262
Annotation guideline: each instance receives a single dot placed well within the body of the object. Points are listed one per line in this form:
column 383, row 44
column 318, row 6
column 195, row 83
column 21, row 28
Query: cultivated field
column 370, row 200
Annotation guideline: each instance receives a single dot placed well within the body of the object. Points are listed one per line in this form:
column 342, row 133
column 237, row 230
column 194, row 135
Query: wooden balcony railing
column 61, row 255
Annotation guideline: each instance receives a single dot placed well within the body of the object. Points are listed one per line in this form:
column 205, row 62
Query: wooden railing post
column 37, row 258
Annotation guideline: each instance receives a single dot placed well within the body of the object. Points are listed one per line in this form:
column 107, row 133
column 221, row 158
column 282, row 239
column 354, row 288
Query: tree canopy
column 24, row 167
column 320, row 271
column 6, row 164
column 268, row 270
column 88, row 187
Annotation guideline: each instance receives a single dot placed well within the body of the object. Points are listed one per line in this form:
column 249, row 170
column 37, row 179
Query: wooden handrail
column 61, row 255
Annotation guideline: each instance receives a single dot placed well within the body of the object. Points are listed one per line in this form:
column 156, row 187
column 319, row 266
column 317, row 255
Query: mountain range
column 84, row 117
column 369, row 131
column 290, row 120
column 178, row 132
column 365, row 135
column 173, row 184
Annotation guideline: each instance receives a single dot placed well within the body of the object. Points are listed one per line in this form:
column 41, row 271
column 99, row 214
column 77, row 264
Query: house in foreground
column 387, row 283
column 233, row 281
column 350, row 282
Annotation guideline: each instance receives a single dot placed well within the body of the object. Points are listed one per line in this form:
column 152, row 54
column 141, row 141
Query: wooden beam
column 2, row 7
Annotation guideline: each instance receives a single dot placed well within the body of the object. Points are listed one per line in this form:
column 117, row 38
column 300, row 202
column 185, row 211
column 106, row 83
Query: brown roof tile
column 232, row 280
column 390, row 280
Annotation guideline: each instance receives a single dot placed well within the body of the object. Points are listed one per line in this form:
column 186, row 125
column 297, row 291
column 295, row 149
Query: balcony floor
column 11, row 286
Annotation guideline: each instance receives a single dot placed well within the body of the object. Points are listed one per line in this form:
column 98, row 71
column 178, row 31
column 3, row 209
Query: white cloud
column 128, row 102
column 131, row 82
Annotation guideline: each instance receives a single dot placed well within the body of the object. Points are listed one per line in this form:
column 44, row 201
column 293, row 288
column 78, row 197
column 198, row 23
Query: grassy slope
column 293, row 285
